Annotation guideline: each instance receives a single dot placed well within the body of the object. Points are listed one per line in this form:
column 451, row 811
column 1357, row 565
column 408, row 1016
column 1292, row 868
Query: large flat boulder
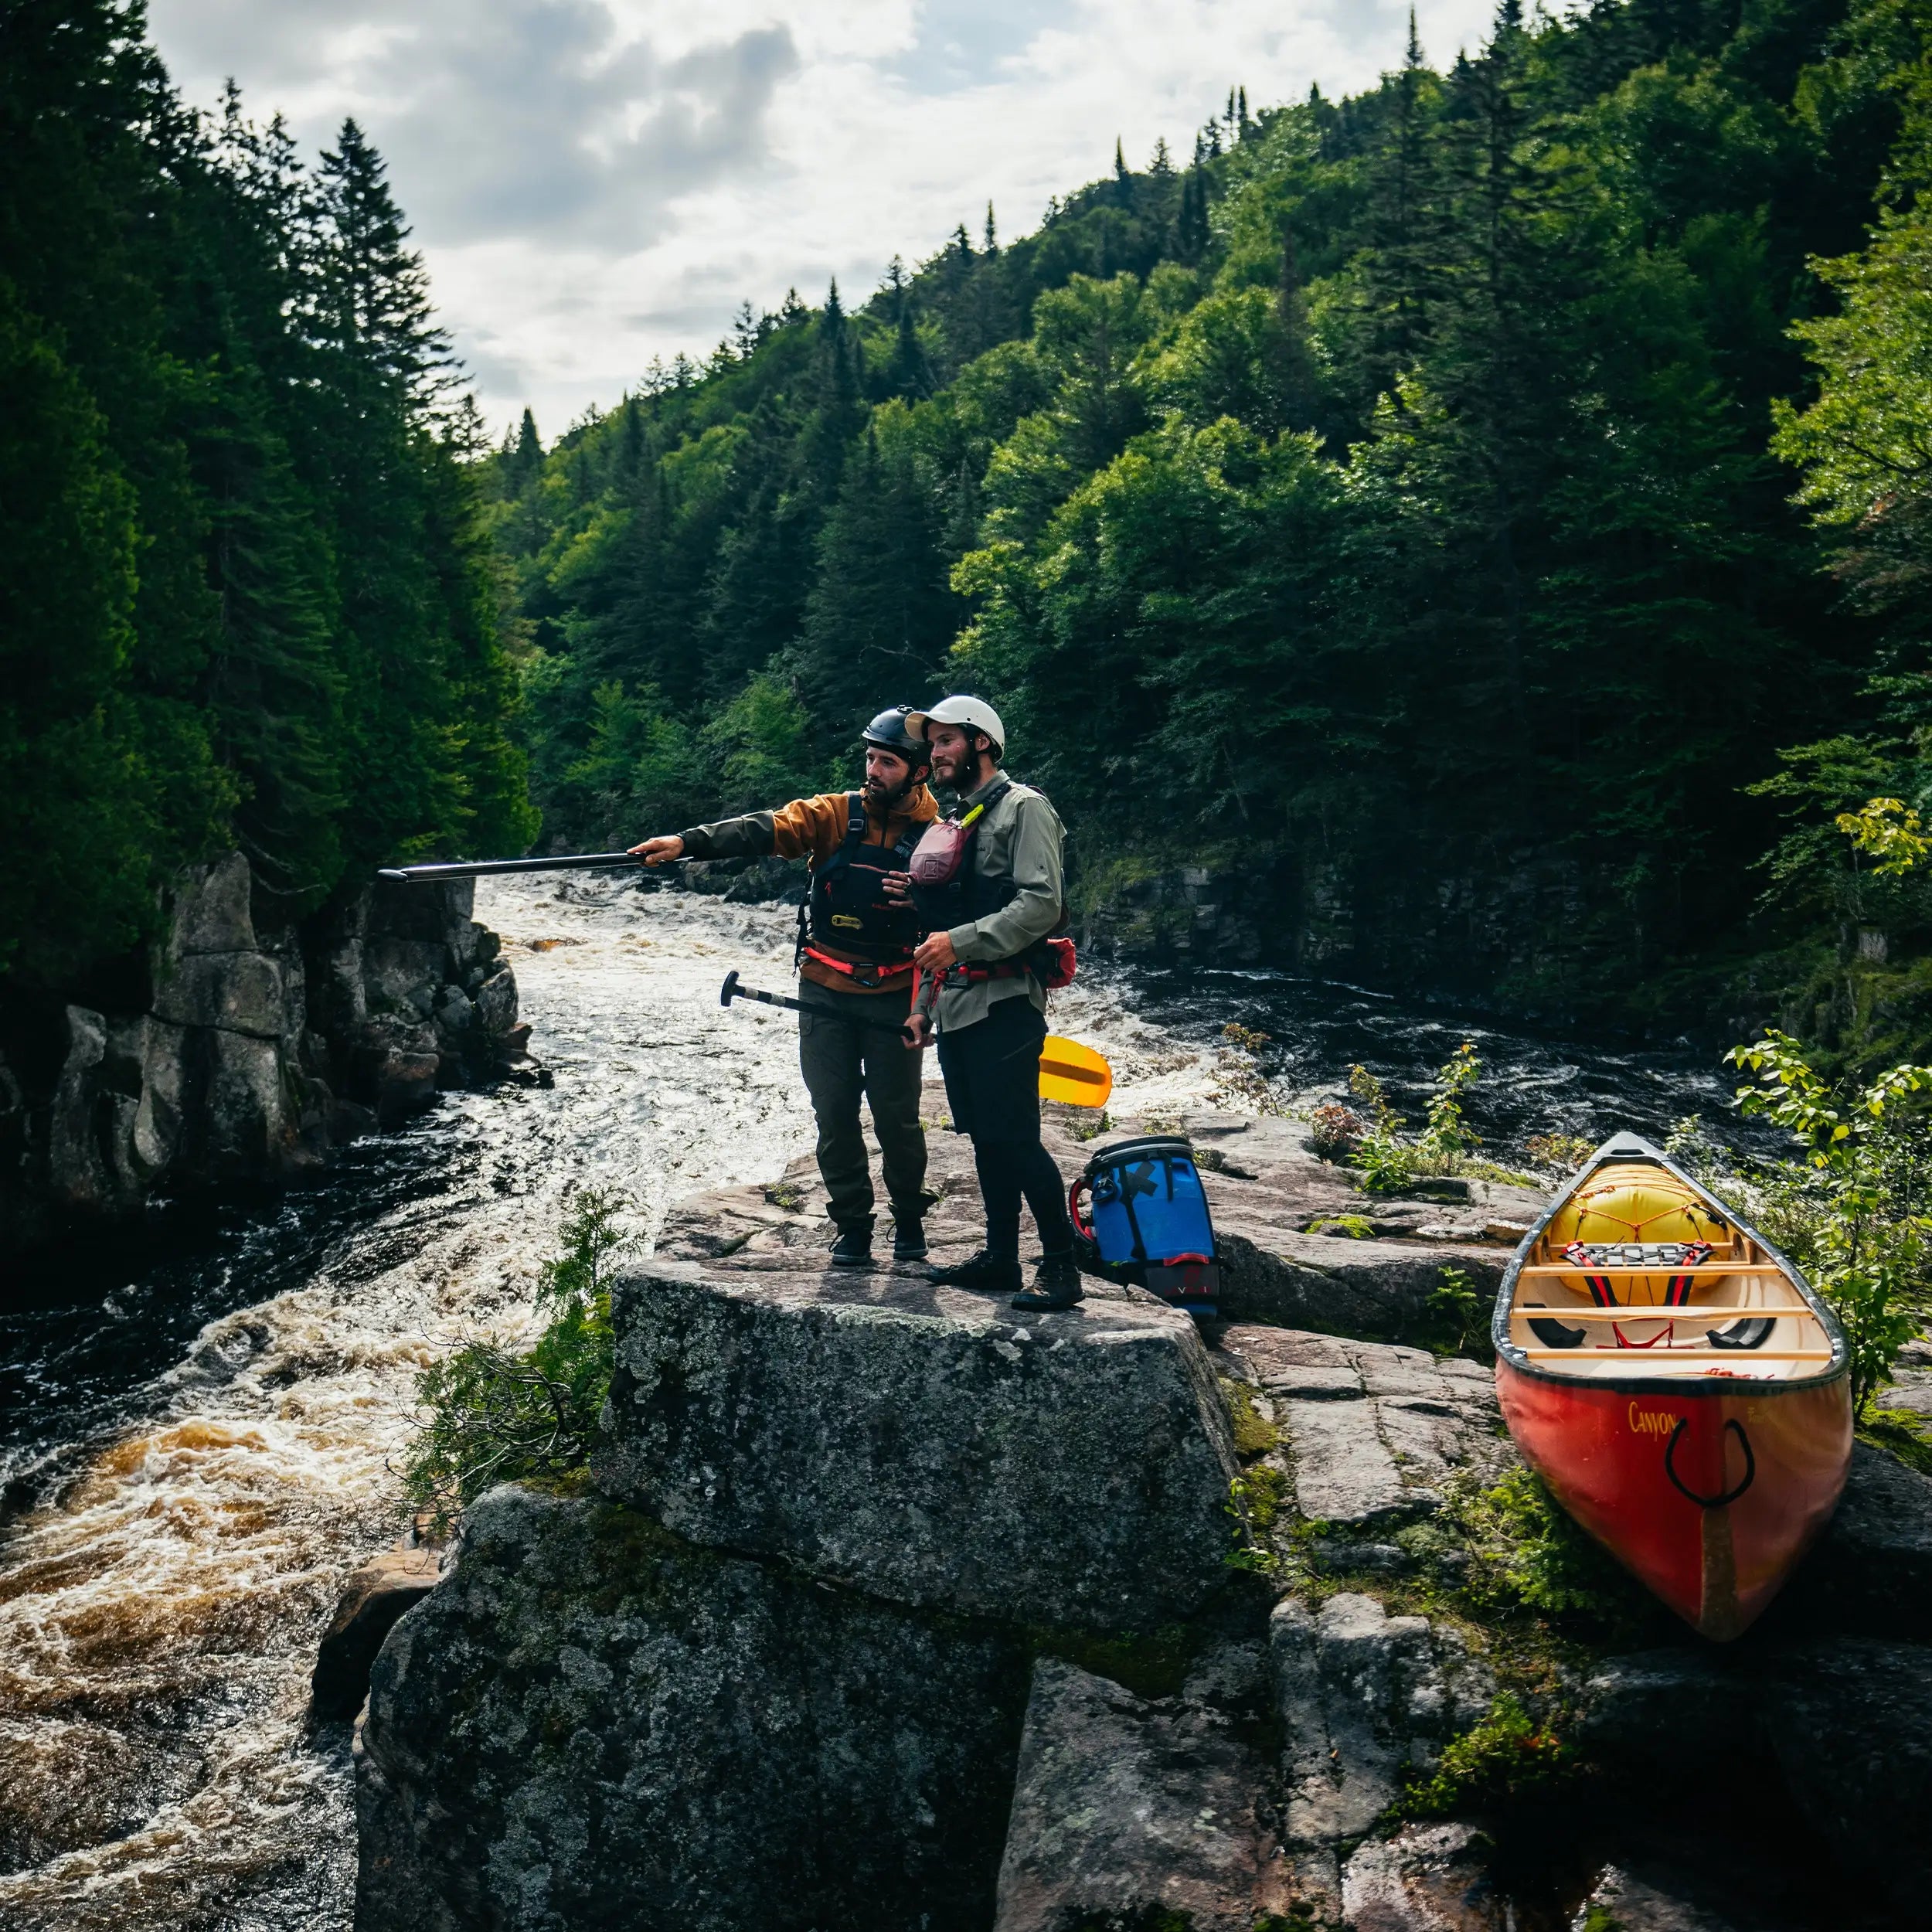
column 590, row 1723
column 1369, row 1428
column 1290, row 1257
column 921, row 1443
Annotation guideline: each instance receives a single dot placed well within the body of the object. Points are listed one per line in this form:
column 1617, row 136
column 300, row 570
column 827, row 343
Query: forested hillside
column 245, row 595
column 1380, row 503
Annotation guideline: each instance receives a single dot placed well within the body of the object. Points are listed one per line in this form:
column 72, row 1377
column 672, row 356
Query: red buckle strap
column 867, row 972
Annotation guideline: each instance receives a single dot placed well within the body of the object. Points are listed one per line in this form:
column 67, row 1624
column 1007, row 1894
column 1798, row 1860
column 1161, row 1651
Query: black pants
column 992, row 1086
column 843, row 1062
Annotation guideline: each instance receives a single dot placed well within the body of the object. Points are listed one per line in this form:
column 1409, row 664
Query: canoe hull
column 1708, row 1491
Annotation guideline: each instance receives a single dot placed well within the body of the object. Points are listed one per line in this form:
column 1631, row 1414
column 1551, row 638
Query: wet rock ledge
column 882, row 1608
column 245, row 1045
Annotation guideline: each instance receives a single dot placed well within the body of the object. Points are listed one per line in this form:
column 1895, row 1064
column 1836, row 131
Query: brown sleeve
column 747, row 837
column 811, row 827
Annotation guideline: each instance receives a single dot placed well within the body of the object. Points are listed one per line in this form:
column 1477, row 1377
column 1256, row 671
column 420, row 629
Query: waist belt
column 861, row 972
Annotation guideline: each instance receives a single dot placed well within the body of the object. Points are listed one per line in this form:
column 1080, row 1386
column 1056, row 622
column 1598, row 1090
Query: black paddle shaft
column 733, row 991
column 482, row 868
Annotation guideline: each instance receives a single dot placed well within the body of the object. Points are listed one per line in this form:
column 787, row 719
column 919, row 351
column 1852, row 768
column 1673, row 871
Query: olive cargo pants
column 841, row 1063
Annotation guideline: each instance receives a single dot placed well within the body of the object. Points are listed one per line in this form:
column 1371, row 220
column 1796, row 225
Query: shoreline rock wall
column 253, row 1044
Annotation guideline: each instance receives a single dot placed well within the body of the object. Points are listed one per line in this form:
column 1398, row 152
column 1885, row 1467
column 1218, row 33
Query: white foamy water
column 159, row 1621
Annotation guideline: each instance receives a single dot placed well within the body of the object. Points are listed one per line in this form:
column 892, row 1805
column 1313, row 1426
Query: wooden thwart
column 1522, row 1312
column 1662, row 1267
column 1636, row 1357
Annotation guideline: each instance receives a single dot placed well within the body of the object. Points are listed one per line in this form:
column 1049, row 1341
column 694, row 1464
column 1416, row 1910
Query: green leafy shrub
column 1335, row 1131
column 1505, row 1758
column 1557, row 1153
column 1388, row 1160
column 494, row 1415
column 1454, row 1311
column 1448, row 1136
column 1856, row 1216
column 1356, row 1227
column 1525, row 1551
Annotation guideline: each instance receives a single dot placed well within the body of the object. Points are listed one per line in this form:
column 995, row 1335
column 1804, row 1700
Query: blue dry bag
column 1150, row 1223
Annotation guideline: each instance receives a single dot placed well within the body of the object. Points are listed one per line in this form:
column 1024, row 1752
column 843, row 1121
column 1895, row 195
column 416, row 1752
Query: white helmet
column 975, row 714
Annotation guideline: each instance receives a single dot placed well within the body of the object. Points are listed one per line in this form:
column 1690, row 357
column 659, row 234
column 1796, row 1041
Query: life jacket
column 965, row 894
column 847, row 923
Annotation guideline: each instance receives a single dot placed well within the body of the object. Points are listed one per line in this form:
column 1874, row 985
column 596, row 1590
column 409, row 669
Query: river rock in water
column 372, row 1600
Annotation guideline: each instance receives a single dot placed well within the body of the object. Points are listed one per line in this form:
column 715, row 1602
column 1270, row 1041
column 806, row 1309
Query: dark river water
column 199, row 1425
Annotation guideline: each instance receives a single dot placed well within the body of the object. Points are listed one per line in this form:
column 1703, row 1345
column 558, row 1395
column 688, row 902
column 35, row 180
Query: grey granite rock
column 211, row 909
column 1369, row 1427
column 1361, row 1697
column 372, row 1600
column 1427, row 1878
column 256, row 1046
column 1272, row 1272
column 1646, row 1900
column 1871, row 1571
column 1123, row 1809
column 919, row 1442
column 496, row 1002
column 1688, row 1708
column 1850, row 1721
column 77, row 1176
column 588, row 1724
column 239, row 991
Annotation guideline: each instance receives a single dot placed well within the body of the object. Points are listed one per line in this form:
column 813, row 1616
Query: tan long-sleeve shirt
column 1019, row 837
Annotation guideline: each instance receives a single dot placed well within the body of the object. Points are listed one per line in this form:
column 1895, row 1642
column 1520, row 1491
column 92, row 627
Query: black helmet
column 889, row 731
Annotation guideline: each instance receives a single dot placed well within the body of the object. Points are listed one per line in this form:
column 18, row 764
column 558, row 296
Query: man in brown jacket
column 857, row 934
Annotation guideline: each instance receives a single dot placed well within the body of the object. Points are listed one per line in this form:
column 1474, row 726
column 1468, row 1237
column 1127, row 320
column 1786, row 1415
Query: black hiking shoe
column 909, row 1241
column 982, row 1271
column 853, row 1248
column 1056, row 1284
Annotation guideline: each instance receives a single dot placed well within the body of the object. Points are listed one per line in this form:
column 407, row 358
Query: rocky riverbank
column 881, row 1607
column 245, row 1045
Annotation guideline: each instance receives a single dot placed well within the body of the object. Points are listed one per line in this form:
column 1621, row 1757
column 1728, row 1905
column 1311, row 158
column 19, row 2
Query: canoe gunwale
column 1630, row 1147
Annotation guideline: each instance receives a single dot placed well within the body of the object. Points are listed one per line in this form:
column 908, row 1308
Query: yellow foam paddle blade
column 1074, row 1073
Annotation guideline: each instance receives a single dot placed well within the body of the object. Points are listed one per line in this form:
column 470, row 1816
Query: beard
column 881, row 797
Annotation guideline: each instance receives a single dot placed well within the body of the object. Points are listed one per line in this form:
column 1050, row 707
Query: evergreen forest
column 1486, row 520
column 248, row 594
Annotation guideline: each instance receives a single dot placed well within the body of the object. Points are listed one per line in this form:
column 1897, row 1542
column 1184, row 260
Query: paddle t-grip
column 730, row 987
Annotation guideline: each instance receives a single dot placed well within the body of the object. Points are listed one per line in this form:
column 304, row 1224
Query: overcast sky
column 595, row 182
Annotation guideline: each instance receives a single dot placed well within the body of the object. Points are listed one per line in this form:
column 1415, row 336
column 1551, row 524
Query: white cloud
column 595, row 182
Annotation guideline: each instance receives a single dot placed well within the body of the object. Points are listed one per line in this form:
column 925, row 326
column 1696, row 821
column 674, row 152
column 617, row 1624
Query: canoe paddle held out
column 732, row 990
column 1676, row 1382
column 1068, row 1071
column 487, row 867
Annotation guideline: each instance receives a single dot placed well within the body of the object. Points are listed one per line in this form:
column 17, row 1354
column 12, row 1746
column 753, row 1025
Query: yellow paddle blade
column 1074, row 1073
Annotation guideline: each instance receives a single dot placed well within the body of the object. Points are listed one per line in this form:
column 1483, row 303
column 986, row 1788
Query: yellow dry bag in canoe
column 1074, row 1073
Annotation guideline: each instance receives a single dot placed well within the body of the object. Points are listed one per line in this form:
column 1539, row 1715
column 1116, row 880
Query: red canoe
column 1677, row 1384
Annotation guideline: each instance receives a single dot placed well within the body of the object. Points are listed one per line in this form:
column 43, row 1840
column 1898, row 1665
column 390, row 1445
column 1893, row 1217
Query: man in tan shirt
column 988, row 953
column 857, row 934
